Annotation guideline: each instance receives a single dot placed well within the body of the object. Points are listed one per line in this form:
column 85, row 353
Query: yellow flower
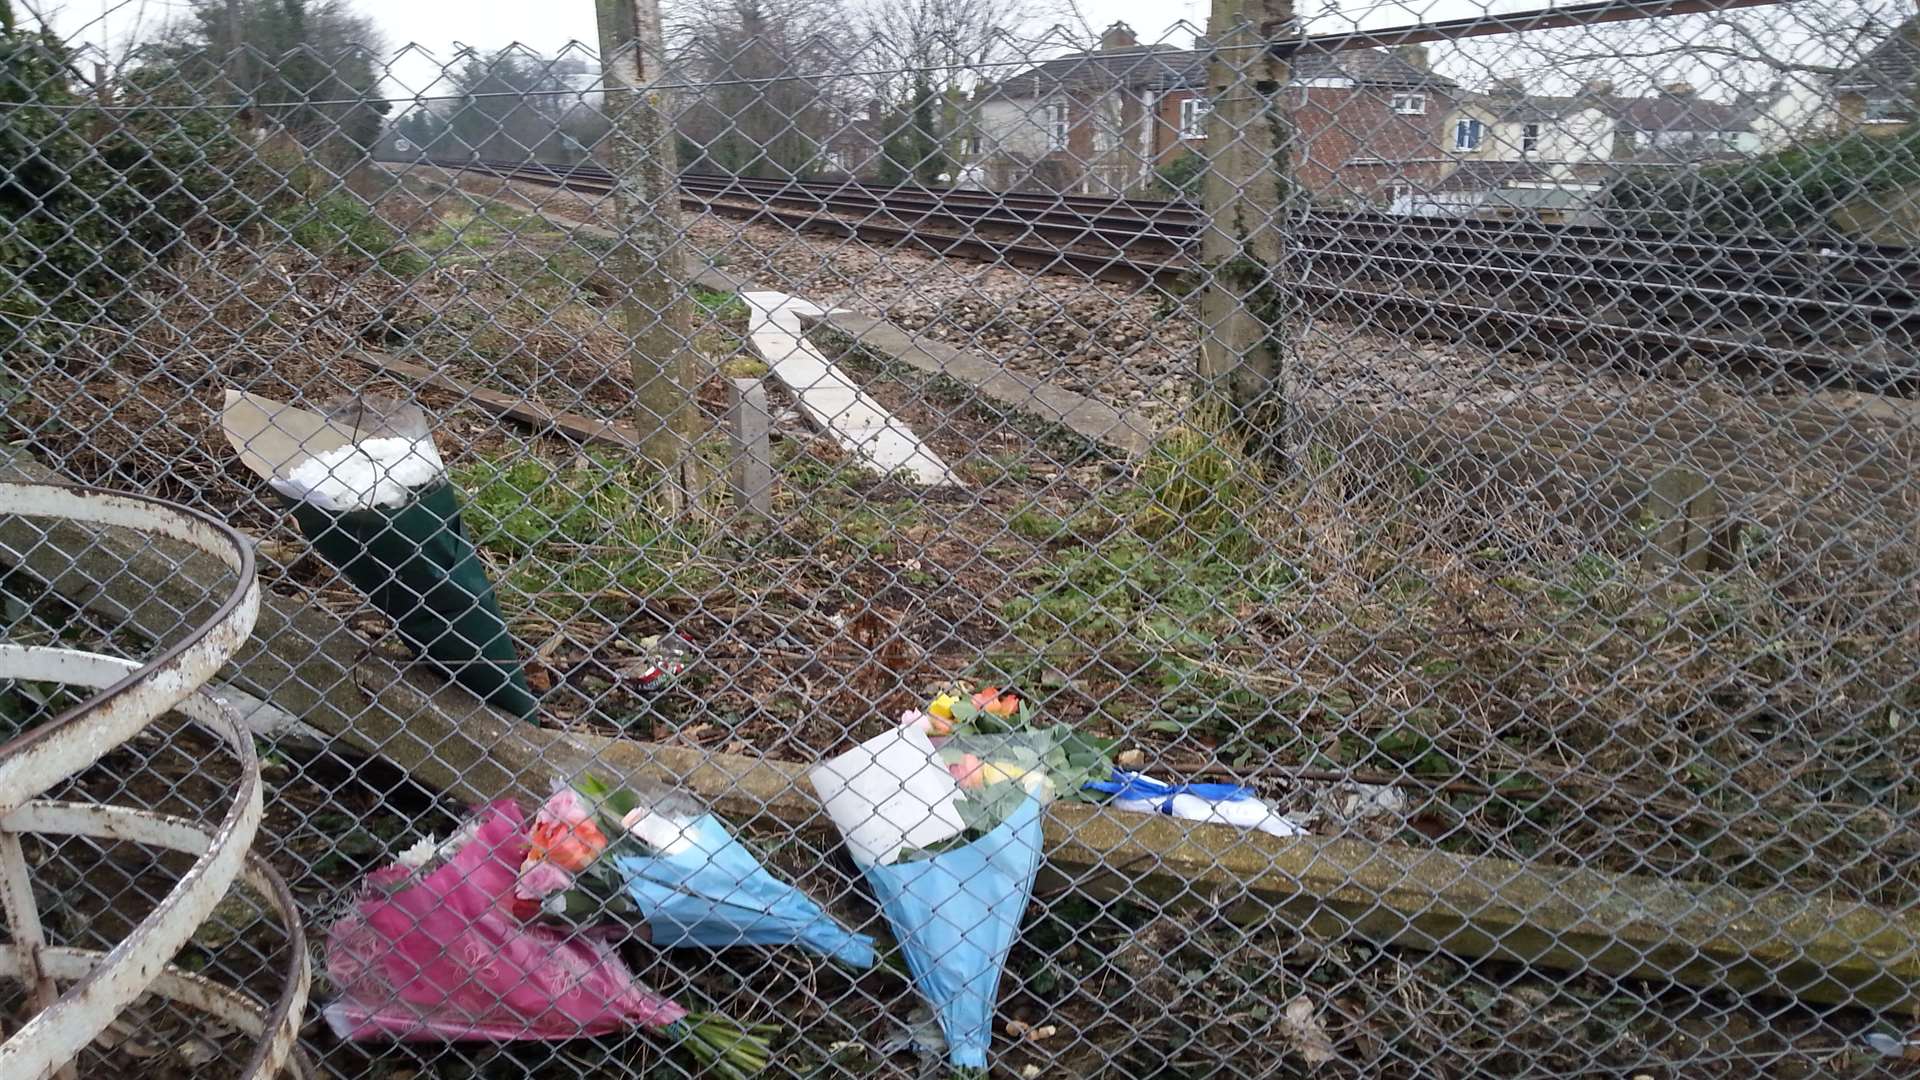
column 999, row 772
column 942, row 706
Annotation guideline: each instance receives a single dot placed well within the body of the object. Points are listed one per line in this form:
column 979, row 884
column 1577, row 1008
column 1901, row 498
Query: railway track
column 1836, row 312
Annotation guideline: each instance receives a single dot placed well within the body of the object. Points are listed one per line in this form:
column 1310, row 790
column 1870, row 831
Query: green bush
column 1180, row 178
column 340, row 224
column 90, row 199
column 1793, row 192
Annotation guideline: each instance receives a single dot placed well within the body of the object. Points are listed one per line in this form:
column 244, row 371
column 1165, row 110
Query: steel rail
column 1451, row 256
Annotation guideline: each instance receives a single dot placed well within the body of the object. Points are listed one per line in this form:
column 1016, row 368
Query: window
column 1056, row 127
column 973, row 144
column 1193, row 117
column 1529, row 138
column 1885, row 110
column 1466, row 134
column 1410, row 104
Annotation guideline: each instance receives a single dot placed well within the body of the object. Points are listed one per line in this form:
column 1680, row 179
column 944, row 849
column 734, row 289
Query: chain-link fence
column 1484, row 449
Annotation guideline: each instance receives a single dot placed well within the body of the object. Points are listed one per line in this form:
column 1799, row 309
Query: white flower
column 377, row 472
column 423, row 851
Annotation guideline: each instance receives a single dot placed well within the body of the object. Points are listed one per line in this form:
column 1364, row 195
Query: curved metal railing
column 130, row 696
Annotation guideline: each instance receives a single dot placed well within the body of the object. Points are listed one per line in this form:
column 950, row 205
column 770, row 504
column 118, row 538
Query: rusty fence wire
column 1489, row 444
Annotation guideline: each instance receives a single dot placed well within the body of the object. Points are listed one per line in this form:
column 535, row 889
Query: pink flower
column 969, row 772
column 917, row 720
column 566, row 807
column 541, row 879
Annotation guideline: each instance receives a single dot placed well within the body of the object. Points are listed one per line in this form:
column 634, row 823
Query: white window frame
column 973, row 144
column 1468, row 133
column 1408, row 104
column 1193, row 117
column 1529, row 138
column 1058, row 129
column 1884, row 110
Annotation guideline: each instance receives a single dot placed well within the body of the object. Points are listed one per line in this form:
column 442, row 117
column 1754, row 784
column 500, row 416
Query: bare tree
column 1729, row 52
column 757, row 82
column 926, row 56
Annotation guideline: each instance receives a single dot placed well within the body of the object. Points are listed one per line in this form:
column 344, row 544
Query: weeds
column 585, row 536
column 341, row 224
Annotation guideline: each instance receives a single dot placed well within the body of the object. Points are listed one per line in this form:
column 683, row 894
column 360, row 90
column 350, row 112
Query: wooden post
column 1247, row 190
column 646, row 253
column 751, row 424
column 236, row 54
column 1690, row 531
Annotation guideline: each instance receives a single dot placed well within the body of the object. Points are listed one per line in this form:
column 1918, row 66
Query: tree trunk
column 1246, row 316
column 647, row 253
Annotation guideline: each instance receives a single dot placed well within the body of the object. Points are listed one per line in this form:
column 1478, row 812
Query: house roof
column 1374, row 67
column 1135, row 68
column 1680, row 113
column 1530, row 107
column 1491, row 175
column 1892, row 65
column 1151, row 67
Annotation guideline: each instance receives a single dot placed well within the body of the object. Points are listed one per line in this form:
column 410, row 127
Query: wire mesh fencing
column 1451, row 487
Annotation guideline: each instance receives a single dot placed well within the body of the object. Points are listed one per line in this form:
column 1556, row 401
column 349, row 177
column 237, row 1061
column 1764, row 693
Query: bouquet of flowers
column 600, row 851
column 438, row 947
column 949, row 839
column 999, row 755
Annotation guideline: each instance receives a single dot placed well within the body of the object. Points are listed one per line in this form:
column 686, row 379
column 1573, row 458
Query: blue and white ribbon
column 1225, row 804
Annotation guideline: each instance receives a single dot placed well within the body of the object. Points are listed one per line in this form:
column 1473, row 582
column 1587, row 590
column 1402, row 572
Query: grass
column 578, row 537
column 1212, row 609
column 342, row 225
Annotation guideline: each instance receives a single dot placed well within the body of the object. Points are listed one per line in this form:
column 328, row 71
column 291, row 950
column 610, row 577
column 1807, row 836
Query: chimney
column 1117, row 36
column 1598, row 88
column 1509, row 88
column 875, row 107
column 1678, row 89
column 1415, row 55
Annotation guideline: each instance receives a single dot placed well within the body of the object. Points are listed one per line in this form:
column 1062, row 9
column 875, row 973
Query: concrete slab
column 1128, row 433
column 831, row 400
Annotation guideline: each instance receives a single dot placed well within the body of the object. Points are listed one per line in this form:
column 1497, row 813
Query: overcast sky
column 440, row 26
column 437, row 28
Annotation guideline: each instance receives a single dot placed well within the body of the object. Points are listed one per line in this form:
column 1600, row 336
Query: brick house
column 1077, row 123
column 1366, row 121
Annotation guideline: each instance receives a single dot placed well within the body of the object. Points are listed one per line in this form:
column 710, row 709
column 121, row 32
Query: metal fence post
column 1246, row 190
column 647, row 254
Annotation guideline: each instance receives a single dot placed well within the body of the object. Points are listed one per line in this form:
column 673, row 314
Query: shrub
column 91, row 198
column 1180, row 178
column 1793, row 192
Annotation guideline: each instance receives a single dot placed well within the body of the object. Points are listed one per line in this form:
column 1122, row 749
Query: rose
column 1001, row 704
column 939, row 716
column 564, row 833
column 540, row 879
column 969, row 772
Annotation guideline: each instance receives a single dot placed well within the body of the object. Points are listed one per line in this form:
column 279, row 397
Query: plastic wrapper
column 389, row 520
column 655, row 854
column 701, row 886
column 441, row 954
column 955, row 914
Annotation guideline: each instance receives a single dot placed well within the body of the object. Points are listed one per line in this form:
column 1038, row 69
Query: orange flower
column 565, row 834
column 572, row 846
column 992, row 700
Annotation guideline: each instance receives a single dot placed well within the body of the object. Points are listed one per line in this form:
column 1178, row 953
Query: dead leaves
column 1306, row 1033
